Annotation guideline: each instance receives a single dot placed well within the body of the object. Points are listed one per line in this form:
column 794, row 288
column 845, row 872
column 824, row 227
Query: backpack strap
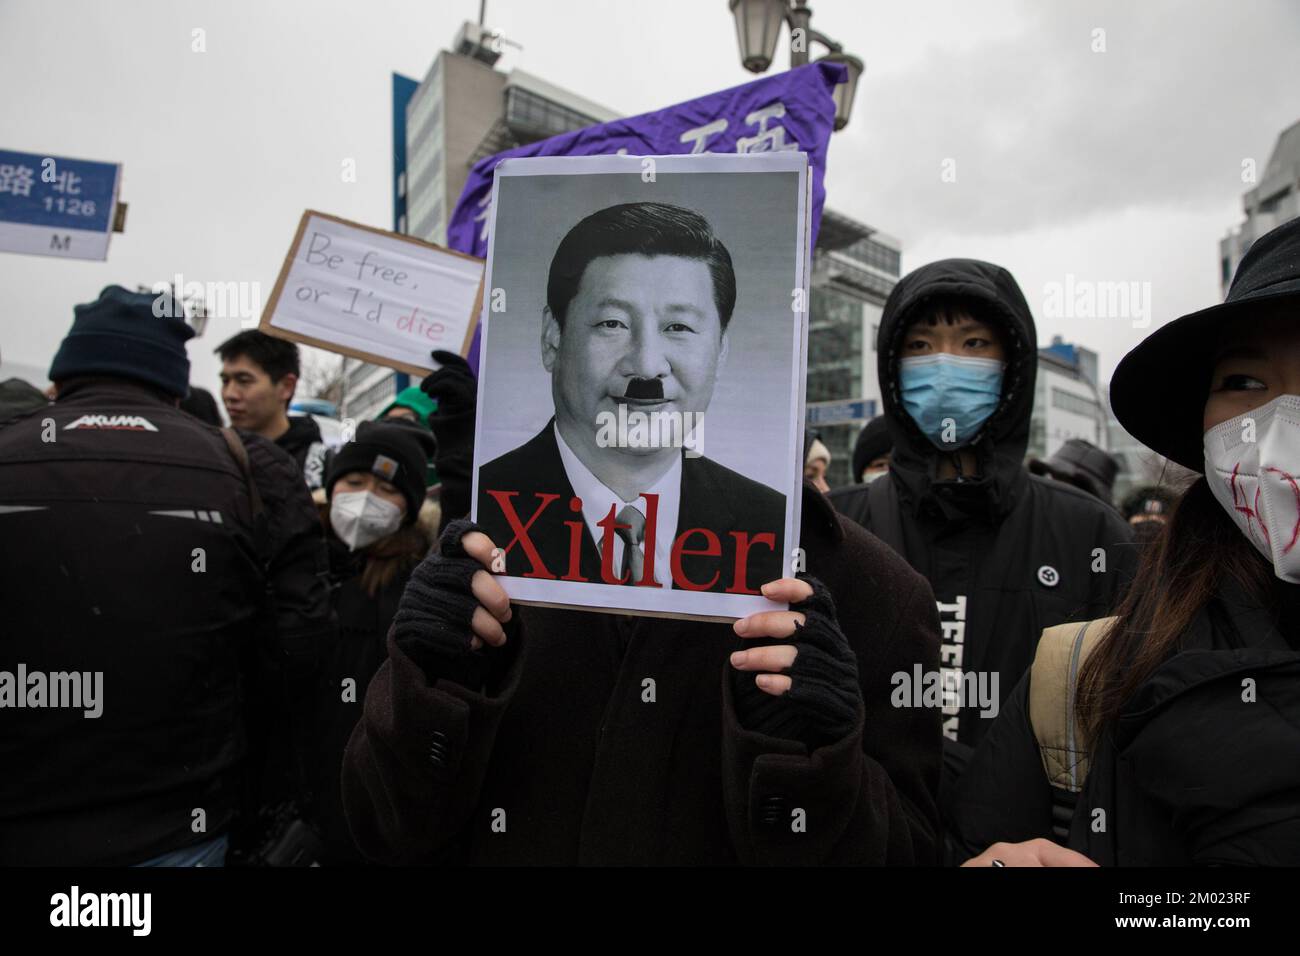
column 261, row 520
column 240, row 454
column 1053, row 681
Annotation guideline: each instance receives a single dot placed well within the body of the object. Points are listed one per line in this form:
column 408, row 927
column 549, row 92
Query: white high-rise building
column 1067, row 400
column 464, row 110
column 1274, row 201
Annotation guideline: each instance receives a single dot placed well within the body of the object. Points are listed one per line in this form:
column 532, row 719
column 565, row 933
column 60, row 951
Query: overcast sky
column 1122, row 165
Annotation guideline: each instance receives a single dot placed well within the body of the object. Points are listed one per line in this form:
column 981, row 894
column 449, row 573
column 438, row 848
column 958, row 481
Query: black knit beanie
column 873, row 441
column 397, row 453
column 135, row 335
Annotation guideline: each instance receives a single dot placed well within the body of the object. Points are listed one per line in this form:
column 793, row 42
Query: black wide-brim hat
column 1159, row 389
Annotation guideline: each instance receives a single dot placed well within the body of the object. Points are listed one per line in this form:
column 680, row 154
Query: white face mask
column 1252, row 463
column 869, row 476
column 362, row 517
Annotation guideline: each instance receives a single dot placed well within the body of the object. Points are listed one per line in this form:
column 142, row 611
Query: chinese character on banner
column 766, row 140
column 700, row 135
column 485, row 204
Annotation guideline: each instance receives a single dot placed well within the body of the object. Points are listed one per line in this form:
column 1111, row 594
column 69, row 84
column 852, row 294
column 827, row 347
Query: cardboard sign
column 378, row 296
column 639, row 438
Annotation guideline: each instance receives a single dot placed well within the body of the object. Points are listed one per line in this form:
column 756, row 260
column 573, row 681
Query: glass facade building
column 854, row 270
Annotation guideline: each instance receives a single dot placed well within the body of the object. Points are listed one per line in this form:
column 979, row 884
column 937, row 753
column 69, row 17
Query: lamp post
column 758, row 27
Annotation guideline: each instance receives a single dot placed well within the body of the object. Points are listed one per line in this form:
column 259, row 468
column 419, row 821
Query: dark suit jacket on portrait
column 712, row 497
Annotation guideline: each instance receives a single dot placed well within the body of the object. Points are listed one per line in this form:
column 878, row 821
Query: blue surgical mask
column 950, row 396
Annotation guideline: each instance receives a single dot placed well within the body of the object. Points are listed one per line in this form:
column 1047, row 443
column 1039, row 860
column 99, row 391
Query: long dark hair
column 1179, row 572
column 391, row 555
column 388, row 557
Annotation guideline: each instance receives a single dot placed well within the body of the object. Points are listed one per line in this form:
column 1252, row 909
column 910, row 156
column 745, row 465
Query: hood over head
column 991, row 294
column 303, row 431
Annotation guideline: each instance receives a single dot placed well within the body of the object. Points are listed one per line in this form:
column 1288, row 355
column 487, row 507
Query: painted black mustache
column 645, row 388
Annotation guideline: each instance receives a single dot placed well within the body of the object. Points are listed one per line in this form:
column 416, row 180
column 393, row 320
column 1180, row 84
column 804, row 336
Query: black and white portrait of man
column 618, row 487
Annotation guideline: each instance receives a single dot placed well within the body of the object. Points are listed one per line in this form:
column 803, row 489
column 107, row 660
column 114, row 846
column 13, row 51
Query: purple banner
column 791, row 110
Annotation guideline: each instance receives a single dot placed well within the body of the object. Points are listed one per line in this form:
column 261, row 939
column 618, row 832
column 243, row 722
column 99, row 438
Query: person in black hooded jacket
column 1007, row 553
column 1187, row 707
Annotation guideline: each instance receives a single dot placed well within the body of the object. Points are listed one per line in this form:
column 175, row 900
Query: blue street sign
column 54, row 206
column 838, row 413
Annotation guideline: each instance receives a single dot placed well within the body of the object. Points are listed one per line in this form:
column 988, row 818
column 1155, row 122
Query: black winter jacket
column 363, row 624
column 18, row 398
column 1200, row 769
column 128, row 547
column 1007, row 554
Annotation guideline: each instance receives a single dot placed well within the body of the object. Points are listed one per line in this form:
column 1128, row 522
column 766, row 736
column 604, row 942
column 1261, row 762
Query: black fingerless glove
column 822, row 703
column 432, row 623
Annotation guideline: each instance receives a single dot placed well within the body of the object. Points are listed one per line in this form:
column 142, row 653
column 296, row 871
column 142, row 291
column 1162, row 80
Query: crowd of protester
column 306, row 657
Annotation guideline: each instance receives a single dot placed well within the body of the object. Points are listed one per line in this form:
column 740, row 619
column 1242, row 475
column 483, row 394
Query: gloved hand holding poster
column 641, row 384
column 379, row 296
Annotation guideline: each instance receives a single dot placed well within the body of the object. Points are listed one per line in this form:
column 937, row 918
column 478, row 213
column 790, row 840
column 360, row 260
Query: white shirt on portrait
column 596, row 499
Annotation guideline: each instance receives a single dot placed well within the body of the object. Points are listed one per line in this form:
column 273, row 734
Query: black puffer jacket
column 1007, row 554
column 1200, row 769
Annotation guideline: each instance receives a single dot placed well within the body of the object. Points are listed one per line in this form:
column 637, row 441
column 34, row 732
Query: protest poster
column 639, row 436
column 379, row 296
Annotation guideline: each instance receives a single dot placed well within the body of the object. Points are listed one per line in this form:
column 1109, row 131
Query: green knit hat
column 416, row 401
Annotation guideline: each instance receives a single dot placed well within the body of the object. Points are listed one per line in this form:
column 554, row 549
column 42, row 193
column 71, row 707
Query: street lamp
column 758, row 27
column 844, row 92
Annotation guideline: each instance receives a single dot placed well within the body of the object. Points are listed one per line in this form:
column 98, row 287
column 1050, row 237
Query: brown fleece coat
column 568, row 760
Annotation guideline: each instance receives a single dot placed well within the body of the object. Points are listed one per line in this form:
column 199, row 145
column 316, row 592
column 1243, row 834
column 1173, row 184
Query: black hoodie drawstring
column 956, row 461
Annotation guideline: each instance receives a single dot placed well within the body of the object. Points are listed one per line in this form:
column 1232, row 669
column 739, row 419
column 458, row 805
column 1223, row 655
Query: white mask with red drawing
column 1252, row 463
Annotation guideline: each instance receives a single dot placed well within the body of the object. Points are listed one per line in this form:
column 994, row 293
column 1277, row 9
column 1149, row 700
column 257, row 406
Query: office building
column 1068, row 402
column 854, row 269
column 1275, row 200
column 464, row 110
